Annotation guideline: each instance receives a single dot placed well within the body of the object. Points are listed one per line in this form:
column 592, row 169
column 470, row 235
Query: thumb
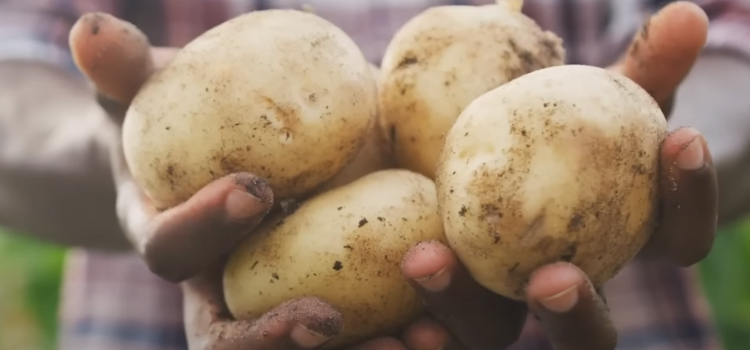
column 116, row 56
column 665, row 49
column 118, row 59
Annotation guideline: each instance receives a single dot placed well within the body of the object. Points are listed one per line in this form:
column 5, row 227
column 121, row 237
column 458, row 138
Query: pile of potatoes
column 472, row 133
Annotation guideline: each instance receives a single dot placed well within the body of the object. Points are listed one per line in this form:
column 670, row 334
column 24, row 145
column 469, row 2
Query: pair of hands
column 188, row 243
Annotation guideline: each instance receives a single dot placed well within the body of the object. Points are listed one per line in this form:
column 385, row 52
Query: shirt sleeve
column 55, row 177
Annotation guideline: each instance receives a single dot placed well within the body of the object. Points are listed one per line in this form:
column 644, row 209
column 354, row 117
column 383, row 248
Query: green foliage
column 726, row 280
column 30, row 274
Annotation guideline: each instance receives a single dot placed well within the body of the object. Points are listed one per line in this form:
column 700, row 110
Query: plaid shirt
column 112, row 302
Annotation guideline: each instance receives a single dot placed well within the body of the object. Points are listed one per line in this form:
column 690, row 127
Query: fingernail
column 241, row 205
column 306, row 338
column 561, row 302
column 436, row 282
column 256, row 186
column 692, row 156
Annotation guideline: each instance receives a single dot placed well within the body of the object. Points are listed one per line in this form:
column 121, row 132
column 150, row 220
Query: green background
column 29, row 284
column 30, row 280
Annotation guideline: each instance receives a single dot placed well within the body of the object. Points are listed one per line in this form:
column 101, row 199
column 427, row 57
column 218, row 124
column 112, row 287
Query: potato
column 283, row 94
column 443, row 59
column 373, row 156
column 344, row 246
column 558, row 165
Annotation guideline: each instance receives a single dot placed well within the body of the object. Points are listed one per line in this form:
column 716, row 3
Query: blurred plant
column 30, row 275
column 726, row 280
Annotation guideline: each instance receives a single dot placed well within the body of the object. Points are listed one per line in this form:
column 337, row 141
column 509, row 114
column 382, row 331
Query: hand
column 118, row 59
column 304, row 323
column 572, row 313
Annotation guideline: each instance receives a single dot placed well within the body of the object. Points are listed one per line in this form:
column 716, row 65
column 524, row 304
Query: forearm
column 713, row 99
column 55, row 176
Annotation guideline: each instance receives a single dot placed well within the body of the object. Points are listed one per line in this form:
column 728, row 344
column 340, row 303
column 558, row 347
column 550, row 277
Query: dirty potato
column 558, row 165
column 280, row 93
column 344, row 246
column 444, row 58
column 372, row 157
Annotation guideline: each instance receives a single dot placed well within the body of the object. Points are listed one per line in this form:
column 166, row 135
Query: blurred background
column 30, row 274
column 30, row 282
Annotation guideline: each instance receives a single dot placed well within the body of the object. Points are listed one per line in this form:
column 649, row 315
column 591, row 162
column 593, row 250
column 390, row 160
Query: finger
column 298, row 324
column 569, row 309
column 477, row 317
column 178, row 243
column 113, row 53
column 305, row 323
column 689, row 199
column 665, row 49
column 116, row 56
column 381, row 344
column 426, row 334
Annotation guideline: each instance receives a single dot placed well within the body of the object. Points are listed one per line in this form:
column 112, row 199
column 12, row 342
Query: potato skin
column 280, row 93
column 444, row 58
column 559, row 165
column 373, row 156
column 344, row 246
